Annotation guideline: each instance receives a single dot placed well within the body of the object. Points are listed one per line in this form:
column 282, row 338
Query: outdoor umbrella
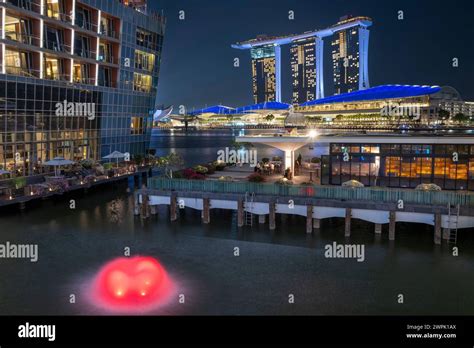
column 115, row 155
column 352, row 183
column 57, row 162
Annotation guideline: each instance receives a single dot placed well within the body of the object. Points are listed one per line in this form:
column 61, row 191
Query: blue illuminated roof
column 262, row 106
column 378, row 93
column 217, row 109
column 225, row 110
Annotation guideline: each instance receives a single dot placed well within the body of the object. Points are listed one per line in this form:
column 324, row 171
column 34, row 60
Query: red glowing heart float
column 132, row 283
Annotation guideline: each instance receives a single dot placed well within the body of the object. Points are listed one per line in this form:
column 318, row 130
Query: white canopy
column 58, row 162
column 115, row 155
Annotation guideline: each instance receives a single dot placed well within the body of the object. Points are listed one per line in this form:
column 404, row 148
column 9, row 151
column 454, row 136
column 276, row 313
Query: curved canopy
column 217, row 110
column 262, row 106
column 378, row 93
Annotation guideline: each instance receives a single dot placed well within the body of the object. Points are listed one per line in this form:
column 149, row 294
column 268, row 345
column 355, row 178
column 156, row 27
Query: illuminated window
column 144, row 61
column 392, row 166
column 52, row 68
column 137, row 126
column 141, row 83
column 55, row 9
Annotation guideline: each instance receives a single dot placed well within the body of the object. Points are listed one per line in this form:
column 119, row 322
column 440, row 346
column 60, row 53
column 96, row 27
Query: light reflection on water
column 73, row 244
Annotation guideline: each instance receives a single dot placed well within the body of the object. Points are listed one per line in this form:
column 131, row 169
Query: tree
column 170, row 163
column 444, row 114
column 461, row 118
column 269, row 118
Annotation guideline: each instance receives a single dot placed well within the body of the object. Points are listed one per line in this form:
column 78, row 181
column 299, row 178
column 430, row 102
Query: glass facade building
column 450, row 166
column 100, row 56
column 350, row 57
column 263, row 74
column 303, row 70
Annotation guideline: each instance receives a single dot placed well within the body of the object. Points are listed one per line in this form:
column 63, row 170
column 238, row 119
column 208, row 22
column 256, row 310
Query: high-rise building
column 303, row 70
column 265, row 73
column 350, row 56
column 78, row 79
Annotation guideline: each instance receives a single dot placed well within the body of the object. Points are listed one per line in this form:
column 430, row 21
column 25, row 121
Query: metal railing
column 84, row 80
column 86, row 25
column 56, row 77
column 21, row 71
column 24, row 38
column 26, row 5
column 109, row 33
column 57, row 46
column 107, row 58
column 376, row 194
column 85, row 53
column 49, row 12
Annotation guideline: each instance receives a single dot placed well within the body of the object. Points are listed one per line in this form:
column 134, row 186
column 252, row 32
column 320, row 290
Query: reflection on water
column 116, row 210
column 74, row 244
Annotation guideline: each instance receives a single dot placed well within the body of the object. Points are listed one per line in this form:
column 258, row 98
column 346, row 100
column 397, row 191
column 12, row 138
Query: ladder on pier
column 453, row 221
column 249, row 200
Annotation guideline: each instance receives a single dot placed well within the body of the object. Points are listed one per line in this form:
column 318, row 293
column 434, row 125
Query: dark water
column 73, row 244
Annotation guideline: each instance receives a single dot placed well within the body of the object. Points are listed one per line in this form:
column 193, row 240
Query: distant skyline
column 197, row 66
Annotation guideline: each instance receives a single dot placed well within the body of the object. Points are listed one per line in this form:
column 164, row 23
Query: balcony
column 84, row 80
column 86, row 25
column 109, row 33
column 23, row 38
column 52, row 11
column 107, row 58
column 84, row 53
column 57, row 46
column 56, row 77
column 28, row 5
column 21, row 71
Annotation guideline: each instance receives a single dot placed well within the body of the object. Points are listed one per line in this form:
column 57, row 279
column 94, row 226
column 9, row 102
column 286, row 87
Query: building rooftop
column 225, row 110
column 378, row 93
column 264, row 40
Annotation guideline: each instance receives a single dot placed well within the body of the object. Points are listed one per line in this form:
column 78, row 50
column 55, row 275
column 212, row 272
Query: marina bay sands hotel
column 350, row 48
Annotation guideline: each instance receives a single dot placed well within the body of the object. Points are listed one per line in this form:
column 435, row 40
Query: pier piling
column 240, row 212
column 437, row 229
column 206, row 214
column 136, row 204
column 317, row 224
column 347, row 231
column 309, row 218
column 173, row 207
column 145, row 207
column 446, row 233
column 392, row 224
column 272, row 216
column 378, row 228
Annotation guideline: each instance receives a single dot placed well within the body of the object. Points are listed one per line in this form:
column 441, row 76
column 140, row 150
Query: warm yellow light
column 313, row 133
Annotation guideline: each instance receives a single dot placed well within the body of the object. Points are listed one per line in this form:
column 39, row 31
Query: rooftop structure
column 350, row 60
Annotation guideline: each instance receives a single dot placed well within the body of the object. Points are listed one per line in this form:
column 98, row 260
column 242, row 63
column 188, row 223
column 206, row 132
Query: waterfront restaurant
column 387, row 160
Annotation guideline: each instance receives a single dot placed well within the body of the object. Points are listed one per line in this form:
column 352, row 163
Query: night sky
column 197, row 65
